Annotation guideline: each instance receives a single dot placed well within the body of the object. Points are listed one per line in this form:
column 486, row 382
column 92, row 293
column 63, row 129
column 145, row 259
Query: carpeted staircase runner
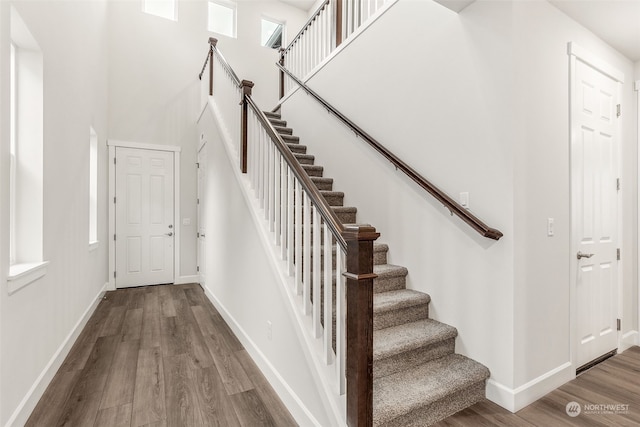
column 418, row 377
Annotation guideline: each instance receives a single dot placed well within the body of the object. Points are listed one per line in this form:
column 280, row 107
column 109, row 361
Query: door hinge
column 114, row 237
column 198, row 269
column 198, row 235
column 618, row 111
column 618, row 322
column 198, row 201
column 114, row 274
column 114, row 160
column 618, row 254
column 618, row 184
column 198, row 165
column 114, row 199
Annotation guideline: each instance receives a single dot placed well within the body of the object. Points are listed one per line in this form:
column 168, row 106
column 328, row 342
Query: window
column 272, row 33
column 93, row 188
column 26, row 152
column 222, row 18
column 163, row 8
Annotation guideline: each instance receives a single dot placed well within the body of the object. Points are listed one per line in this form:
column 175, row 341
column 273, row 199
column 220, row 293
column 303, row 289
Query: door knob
column 169, row 234
column 581, row 255
column 170, row 225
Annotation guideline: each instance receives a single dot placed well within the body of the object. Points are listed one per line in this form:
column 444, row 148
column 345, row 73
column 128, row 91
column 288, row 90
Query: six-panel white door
column 594, row 173
column 144, row 217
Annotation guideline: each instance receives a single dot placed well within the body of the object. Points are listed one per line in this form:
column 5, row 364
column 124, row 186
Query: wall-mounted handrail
column 453, row 206
column 328, row 215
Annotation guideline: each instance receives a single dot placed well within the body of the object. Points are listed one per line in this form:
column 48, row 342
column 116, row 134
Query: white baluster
column 261, row 170
column 283, row 209
column 298, row 237
column 306, row 269
column 267, row 180
column 317, row 275
column 277, row 191
column 341, row 345
column 328, row 296
column 290, row 222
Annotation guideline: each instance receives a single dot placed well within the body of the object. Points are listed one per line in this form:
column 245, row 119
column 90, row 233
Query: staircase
column 418, row 378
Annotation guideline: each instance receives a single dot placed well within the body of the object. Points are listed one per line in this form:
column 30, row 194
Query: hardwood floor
column 615, row 381
column 158, row 356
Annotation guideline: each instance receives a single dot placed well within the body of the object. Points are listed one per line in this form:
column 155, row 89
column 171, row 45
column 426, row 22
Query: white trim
column 291, row 400
column 93, row 245
column 588, row 58
column 21, row 275
column 637, row 88
column 30, row 400
column 182, row 280
column 518, row 398
column 629, row 339
column 112, row 145
column 143, row 145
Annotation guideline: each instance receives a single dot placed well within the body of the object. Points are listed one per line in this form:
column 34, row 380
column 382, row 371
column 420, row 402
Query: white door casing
column 594, row 172
column 144, row 211
column 202, row 212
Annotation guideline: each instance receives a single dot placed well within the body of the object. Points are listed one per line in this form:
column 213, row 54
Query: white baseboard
column 291, row 400
column 31, row 399
column 182, row 280
column 629, row 340
column 516, row 399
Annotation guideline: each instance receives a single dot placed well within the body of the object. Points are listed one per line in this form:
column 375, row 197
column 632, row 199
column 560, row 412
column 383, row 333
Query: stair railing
column 454, row 207
column 306, row 232
column 332, row 23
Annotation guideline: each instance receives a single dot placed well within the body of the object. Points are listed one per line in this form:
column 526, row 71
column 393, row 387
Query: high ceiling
column 300, row 4
column 617, row 22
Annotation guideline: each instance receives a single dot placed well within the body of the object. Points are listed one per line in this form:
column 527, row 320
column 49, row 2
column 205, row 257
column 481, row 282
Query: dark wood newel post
column 246, row 91
column 212, row 43
column 360, row 277
column 282, row 50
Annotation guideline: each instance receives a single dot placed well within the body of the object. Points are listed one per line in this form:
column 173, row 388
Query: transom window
column 222, row 18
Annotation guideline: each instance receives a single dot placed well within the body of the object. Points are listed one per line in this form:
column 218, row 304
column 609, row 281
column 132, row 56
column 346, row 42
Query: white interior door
column 594, row 186
column 144, row 217
column 202, row 214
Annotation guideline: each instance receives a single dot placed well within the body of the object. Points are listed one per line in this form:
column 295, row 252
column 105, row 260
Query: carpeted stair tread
column 406, row 391
column 271, row 115
column 283, row 130
column 297, row 148
column 410, row 336
column 313, row 170
column 304, row 159
column 290, row 139
column 278, row 122
column 322, row 183
column 401, row 298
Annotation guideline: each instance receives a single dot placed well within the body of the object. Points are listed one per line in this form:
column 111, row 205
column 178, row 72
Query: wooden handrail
column 307, row 24
column 453, row 206
column 213, row 42
column 318, row 200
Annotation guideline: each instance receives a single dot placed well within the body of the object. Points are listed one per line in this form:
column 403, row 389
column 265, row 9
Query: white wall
column 476, row 102
column 244, row 285
column 154, row 87
column 36, row 320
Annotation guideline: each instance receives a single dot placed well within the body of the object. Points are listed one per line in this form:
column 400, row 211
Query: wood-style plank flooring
column 615, row 381
column 158, row 356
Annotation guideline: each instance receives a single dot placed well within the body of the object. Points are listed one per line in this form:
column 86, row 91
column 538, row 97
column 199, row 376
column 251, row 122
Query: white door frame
column 576, row 52
column 113, row 144
column 637, row 89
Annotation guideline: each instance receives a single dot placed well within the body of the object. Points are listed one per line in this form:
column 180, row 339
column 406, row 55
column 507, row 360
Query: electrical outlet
column 464, row 199
column 269, row 330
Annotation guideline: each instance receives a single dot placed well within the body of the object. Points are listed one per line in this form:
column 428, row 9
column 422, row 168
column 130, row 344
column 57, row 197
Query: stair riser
column 385, row 284
column 312, row 171
column 284, row 131
column 441, row 409
column 400, row 316
column 278, row 122
column 379, row 257
column 300, row 149
column 413, row 358
column 290, row 139
column 324, row 185
column 334, row 200
column 305, row 160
